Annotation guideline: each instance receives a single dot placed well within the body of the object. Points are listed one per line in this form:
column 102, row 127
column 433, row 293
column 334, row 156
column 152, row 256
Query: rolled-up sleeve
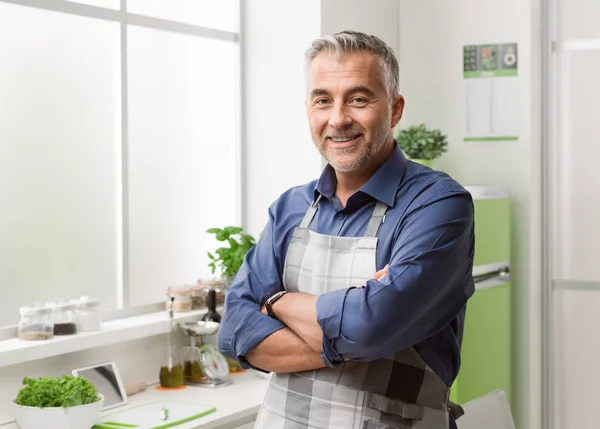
column 243, row 326
column 428, row 283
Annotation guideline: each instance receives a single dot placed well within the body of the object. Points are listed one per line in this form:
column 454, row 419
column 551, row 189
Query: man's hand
column 382, row 273
column 298, row 311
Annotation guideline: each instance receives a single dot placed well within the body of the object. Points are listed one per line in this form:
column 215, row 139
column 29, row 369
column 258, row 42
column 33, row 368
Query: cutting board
column 148, row 416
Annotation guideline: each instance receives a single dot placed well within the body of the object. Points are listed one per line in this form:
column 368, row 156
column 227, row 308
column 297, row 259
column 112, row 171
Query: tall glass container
column 171, row 370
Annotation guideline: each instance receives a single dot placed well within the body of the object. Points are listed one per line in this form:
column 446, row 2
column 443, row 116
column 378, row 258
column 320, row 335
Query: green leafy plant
column 65, row 391
column 230, row 259
column 420, row 142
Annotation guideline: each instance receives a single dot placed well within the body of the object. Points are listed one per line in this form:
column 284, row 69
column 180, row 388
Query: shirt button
column 340, row 216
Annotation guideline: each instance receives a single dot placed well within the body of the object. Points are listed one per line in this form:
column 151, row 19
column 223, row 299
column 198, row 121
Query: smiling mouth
column 344, row 141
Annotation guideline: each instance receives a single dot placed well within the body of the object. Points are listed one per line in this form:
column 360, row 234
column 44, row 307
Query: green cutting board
column 148, row 416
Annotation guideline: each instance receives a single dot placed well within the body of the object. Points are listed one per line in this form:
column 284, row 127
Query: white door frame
column 552, row 48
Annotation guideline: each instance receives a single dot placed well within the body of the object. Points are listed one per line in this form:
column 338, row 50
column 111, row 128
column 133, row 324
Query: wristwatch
column 271, row 301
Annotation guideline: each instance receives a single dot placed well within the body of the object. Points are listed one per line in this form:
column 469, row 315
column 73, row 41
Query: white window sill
column 15, row 350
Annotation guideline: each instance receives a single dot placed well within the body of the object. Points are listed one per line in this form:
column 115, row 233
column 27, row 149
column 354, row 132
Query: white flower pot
column 78, row 417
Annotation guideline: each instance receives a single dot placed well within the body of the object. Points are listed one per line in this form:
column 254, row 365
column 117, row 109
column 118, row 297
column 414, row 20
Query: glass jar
column 87, row 314
column 182, row 298
column 219, row 287
column 192, row 364
column 35, row 323
column 198, row 297
column 63, row 317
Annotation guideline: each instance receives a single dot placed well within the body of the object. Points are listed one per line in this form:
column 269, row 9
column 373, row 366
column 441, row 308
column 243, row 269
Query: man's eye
column 321, row 101
column 358, row 100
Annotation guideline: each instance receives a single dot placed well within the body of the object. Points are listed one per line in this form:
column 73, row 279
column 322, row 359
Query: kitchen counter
column 237, row 404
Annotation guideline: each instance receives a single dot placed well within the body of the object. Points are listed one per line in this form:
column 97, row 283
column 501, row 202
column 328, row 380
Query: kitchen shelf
column 15, row 350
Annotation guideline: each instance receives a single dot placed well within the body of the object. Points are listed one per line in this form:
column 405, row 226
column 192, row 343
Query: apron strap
column 396, row 407
column 376, row 220
column 310, row 213
column 455, row 410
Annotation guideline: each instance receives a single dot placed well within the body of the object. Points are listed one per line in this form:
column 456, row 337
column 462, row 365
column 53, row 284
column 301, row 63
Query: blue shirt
column 428, row 240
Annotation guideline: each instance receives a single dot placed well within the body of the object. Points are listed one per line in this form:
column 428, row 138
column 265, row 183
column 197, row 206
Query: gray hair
column 346, row 42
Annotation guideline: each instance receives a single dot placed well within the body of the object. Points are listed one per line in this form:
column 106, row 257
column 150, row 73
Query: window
column 119, row 142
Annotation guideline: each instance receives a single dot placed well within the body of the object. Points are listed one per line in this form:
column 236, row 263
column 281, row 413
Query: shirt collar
column 382, row 185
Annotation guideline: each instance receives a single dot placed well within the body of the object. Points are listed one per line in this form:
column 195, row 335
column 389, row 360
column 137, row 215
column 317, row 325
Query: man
column 355, row 294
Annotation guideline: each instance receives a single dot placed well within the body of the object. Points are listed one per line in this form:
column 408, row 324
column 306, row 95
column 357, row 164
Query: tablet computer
column 107, row 380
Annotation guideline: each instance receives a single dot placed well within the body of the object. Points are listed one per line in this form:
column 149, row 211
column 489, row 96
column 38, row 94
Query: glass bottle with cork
column 171, row 370
column 212, row 315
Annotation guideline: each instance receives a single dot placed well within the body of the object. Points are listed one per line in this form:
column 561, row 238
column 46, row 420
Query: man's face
column 350, row 114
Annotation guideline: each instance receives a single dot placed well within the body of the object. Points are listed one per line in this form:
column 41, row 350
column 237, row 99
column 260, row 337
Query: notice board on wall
column 491, row 92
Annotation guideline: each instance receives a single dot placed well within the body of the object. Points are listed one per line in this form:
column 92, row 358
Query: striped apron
column 397, row 392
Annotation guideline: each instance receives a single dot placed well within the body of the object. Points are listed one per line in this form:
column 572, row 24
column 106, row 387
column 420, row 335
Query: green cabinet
column 486, row 348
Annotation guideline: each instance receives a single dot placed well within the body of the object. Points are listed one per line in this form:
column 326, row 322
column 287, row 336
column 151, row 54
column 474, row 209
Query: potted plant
column 64, row 402
column 229, row 259
column 422, row 144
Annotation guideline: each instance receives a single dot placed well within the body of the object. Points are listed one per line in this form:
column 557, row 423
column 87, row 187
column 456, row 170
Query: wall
column 279, row 152
column 379, row 18
column 431, row 36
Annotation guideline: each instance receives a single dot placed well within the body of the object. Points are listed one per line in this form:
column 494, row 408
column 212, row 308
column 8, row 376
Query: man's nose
column 339, row 116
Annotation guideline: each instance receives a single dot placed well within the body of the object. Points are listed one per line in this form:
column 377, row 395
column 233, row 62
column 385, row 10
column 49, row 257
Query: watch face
column 274, row 297
column 272, row 300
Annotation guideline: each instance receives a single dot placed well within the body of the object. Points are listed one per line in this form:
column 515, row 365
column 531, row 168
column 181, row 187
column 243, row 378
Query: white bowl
column 78, row 417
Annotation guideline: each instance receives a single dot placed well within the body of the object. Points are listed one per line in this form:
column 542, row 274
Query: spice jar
column 35, row 323
column 198, row 297
column 182, row 298
column 217, row 285
column 63, row 317
column 87, row 314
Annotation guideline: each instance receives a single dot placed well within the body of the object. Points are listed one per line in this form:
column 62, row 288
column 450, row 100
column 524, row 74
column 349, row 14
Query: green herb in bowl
column 65, row 391
column 64, row 402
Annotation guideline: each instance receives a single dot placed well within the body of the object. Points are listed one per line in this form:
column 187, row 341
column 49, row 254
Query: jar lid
column 86, row 301
column 61, row 305
column 34, row 310
column 209, row 283
column 178, row 290
column 198, row 287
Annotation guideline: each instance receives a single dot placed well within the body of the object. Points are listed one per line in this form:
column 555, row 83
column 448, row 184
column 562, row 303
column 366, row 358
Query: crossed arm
column 426, row 285
column 297, row 347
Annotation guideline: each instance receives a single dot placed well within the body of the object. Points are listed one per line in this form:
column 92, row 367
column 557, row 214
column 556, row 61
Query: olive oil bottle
column 171, row 370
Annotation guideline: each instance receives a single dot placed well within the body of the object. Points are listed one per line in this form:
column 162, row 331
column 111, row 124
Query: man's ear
column 397, row 110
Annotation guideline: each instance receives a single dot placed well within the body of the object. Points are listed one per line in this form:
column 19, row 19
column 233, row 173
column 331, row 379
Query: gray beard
column 372, row 147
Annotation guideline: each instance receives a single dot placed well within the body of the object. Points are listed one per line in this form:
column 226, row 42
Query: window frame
column 126, row 19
